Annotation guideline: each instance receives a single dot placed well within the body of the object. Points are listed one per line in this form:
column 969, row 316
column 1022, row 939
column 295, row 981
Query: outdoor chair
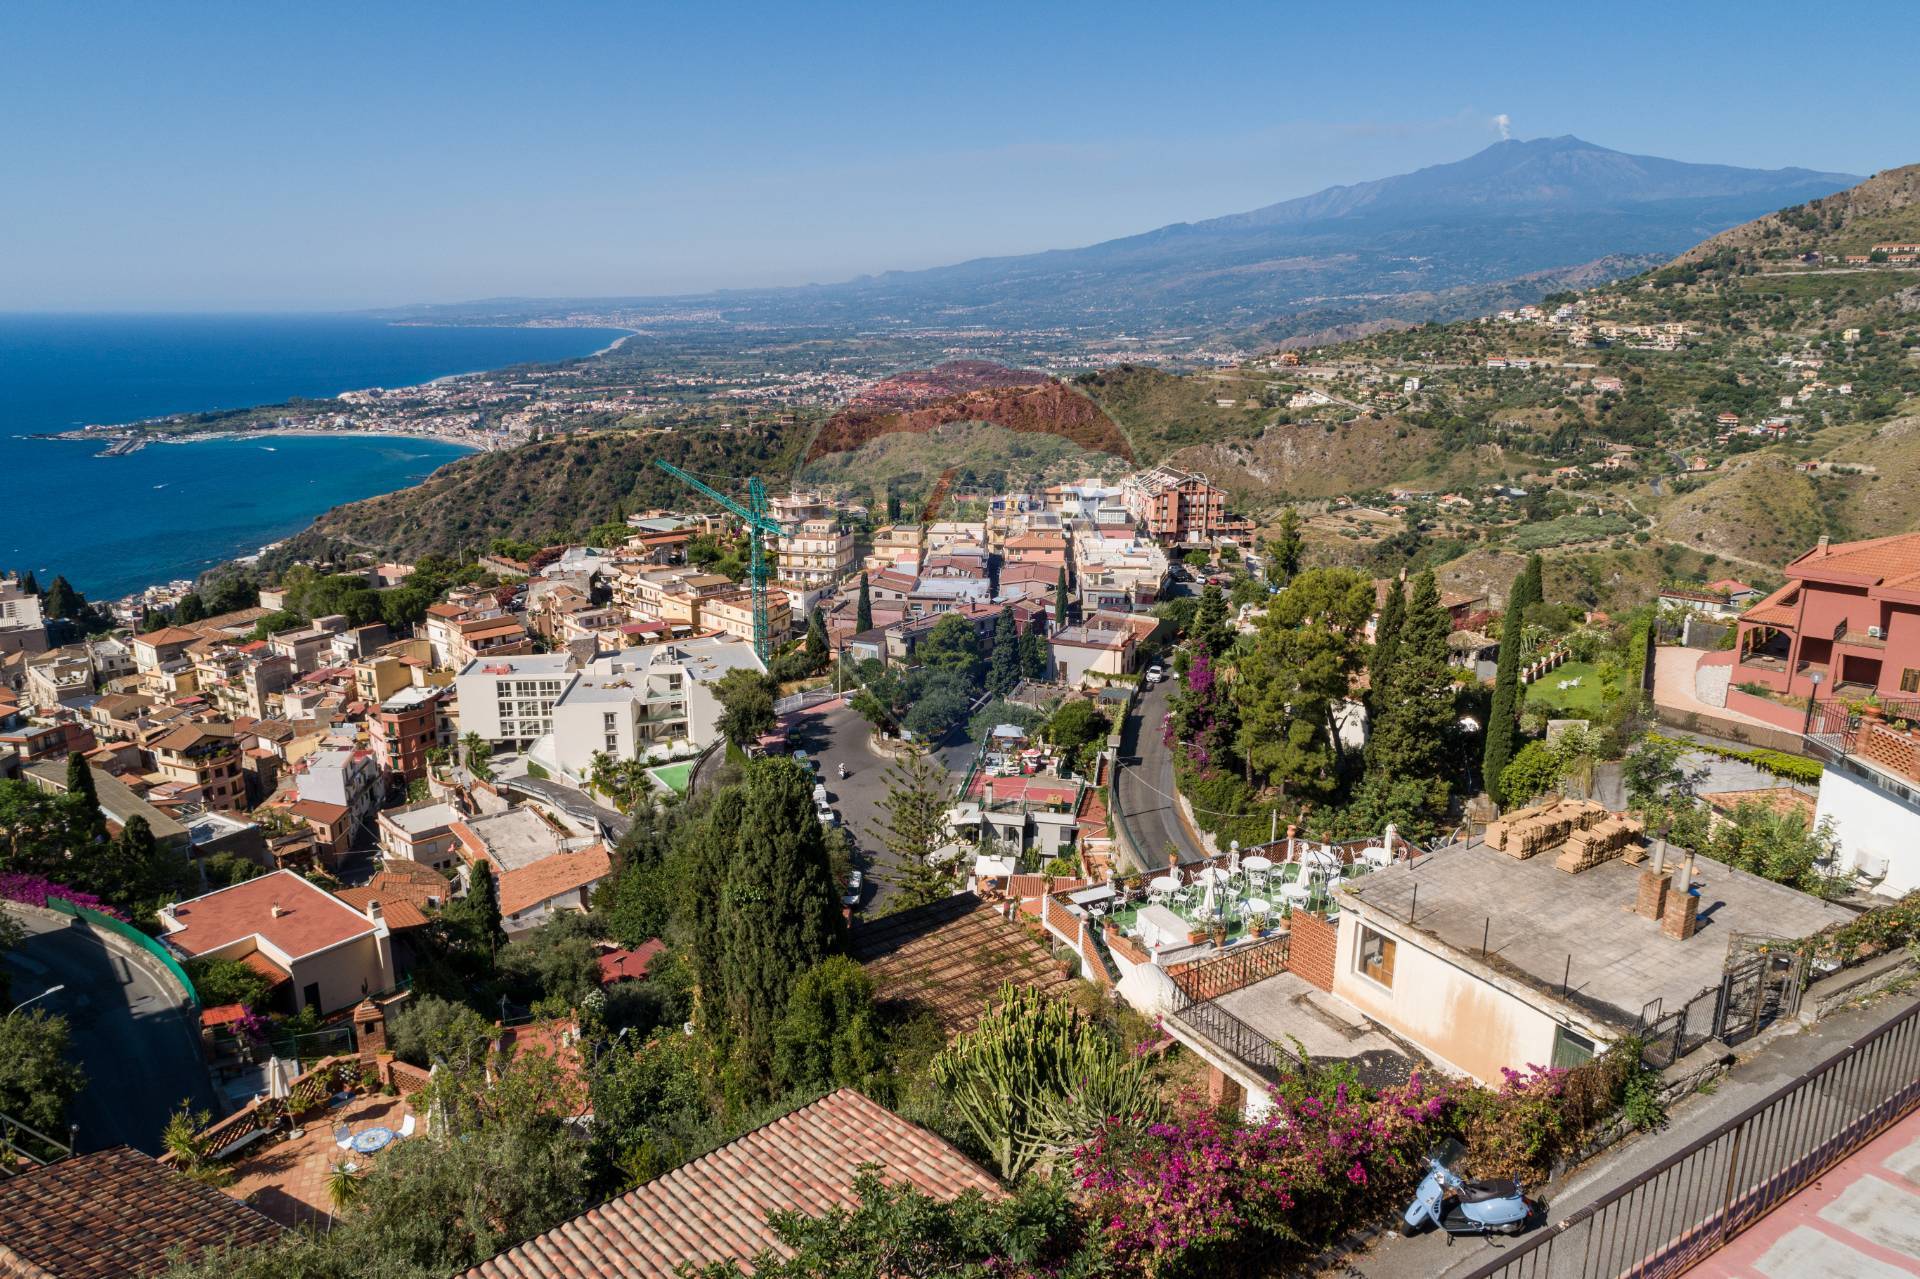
column 342, row 1136
column 406, row 1127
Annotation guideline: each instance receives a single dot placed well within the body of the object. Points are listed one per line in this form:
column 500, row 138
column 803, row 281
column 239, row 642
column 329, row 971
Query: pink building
column 1848, row 613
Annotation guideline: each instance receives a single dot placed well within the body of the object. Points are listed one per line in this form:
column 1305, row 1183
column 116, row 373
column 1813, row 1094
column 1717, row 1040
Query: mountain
column 1496, row 229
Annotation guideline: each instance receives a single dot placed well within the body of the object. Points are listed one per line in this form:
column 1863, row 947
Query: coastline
column 205, row 437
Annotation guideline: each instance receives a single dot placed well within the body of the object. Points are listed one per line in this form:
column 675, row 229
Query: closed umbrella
column 279, row 1078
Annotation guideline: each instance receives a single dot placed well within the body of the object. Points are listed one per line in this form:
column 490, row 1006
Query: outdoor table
column 372, row 1139
column 1297, row 892
column 1258, row 906
column 1257, row 863
column 1214, row 874
column 1165, row 884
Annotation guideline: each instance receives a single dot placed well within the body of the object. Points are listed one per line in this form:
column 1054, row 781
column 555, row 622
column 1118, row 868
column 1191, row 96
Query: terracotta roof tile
column 717, row 1206
column 530, row 885
column 310, row 918
column 950, row 958
column 114, row 1214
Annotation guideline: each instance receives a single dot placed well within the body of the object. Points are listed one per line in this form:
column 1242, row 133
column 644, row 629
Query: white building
column 1873, row 814
column 509, row 701
column 654, row 701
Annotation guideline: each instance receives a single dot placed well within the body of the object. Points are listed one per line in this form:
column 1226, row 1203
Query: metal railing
column 1199, row 985
column 134, row 935
column 1691, row 1204
column 23, row 1147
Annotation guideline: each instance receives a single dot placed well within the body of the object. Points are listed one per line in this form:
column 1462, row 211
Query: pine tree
column 817, row 638
column 192, row 608
column 1060, row 599
column 863, row 612
column 1287, row 548
column 476, row 916
column 63, row 601
column 1035, row 654
column 30, row 584
column 779, row 913
column 1003, row 670
column 916, row 828
column 1210, row 621
column 89, row 823
column 1504, row 714
column 1416, row 709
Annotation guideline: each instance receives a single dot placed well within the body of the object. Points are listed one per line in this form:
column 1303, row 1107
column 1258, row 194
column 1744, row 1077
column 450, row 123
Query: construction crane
column 759, row 525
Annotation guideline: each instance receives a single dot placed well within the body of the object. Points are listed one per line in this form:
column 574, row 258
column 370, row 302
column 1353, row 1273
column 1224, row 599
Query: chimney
column 1820, row 547
column 276, row 910
column 1678, row 922
column 1651, row 900
column 373, row 910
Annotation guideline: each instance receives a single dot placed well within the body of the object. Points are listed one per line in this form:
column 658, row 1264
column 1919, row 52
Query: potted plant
column 1871, row 709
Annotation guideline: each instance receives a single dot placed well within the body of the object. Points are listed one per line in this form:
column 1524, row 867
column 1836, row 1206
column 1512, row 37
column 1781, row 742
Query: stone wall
column 1310, row 954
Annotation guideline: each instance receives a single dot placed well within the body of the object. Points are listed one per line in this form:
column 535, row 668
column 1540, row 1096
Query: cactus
column 1036, row 1077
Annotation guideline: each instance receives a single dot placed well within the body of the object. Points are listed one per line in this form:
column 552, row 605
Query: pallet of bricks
column 1610, row 837
column 1528, row 831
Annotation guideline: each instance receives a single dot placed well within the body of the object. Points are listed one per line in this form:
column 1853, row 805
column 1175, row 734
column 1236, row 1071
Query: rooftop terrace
column 1543, row 926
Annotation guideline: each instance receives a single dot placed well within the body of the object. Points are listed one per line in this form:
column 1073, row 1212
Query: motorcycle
column 1462, row 1207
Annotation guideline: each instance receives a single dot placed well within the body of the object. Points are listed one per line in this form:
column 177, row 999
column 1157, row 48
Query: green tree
column 37, row 1080
column 830, row 1035
column 1412, row 735
column 473, row 919
column 1003, row 670
column 1036, row 656
column 780, row 912
column 558, row 962
column 952, row 645
column 428, row 1027
column 227, row 981
column 1287, row 548
column 863, row 611
column 916, row 828
column 90, row 824
column 636, row 901
column 1503, row 717
column 478, row 755
column 1078, row 730
column 817, row 638
column 1036, row 1077
column 1210, row 622
column 1061, row 604
column 1296, row 674
column 63, row 602
column 190, row 609
column 746, row 706
column 1386, row 636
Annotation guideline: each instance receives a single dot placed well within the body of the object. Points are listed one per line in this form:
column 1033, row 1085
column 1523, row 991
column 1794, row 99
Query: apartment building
column 645, row 700
column 509, row 700
column 206, row 758
column 22, row 629
column 815, row 551
column 406, row 726
column 1175, row 505
column 732, row 615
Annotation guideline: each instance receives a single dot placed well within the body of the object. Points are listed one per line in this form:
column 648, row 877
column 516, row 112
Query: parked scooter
column 843, row 772
column 1462, row 1207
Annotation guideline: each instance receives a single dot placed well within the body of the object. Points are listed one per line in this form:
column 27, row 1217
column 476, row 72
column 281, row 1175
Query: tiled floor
column 1859, row 1221
column 288, row 1180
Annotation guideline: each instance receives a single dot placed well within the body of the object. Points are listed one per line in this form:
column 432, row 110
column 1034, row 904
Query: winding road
column 1145, row 789
column 136, row 1039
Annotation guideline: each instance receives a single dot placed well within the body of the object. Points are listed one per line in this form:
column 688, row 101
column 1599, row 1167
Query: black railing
column 1837, row 732
column 1231, row 1035
column 1690, row 1205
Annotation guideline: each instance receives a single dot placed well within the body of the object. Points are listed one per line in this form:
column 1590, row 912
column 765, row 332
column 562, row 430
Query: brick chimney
column 370, row 1029
column 1651, row 901
column 1678, row 922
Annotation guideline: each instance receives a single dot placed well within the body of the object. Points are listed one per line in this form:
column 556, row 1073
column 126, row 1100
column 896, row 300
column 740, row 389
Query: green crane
column 759, row 525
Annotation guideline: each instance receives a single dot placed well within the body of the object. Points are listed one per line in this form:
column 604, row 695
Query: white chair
column 406, row 1127
column 342, row 1136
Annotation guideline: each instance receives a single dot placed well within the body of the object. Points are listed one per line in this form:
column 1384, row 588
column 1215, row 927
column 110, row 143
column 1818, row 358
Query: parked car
column 1155, row 674
column 855, row 882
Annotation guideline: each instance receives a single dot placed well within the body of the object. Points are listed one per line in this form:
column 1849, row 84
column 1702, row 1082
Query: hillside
column 1441, row 242
column 1017, row 402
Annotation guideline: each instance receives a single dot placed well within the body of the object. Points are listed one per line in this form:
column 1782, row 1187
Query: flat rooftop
column 1535, row 916
column 521, row 664
column 421, row 818
column 518, row 837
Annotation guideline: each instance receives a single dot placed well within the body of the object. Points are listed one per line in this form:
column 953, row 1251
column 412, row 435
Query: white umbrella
column 1206, row 899
column 279, row 1081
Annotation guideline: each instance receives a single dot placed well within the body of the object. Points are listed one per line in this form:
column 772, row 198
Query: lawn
column 673, row 776
column 1584, row 702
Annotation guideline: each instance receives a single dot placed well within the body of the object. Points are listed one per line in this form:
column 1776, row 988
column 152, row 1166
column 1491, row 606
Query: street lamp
column 1807, row 727
column 51, row 990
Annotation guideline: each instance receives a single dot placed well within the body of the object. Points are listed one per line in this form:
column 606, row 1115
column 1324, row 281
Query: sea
column 115, row 525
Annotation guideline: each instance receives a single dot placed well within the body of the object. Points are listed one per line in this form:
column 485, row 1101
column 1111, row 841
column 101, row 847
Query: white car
column 855, row 882
column 1154, row 675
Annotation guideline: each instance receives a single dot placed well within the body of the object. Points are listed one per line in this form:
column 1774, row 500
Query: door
column 310, row 996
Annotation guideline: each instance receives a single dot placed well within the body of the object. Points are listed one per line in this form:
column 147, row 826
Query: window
column 1376, row 956
column 1570, row 1048
column 1910, row 680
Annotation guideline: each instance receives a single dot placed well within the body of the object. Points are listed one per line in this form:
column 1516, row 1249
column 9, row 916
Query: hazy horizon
column 359, row 158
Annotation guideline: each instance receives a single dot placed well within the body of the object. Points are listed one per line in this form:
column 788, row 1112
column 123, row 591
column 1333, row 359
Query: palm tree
column 602, row 772
column 343, row 1186
column 477, row 751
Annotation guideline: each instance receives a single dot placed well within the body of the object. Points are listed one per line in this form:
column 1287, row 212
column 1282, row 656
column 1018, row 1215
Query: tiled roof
column 167, row 635
column 1891, row 562
column 717, row 1206
column 310, row 918
column 629, row 965
column 114, row 1214
column 1779, row 609
column 397, row 911
column 550, row 876
column 950, row 957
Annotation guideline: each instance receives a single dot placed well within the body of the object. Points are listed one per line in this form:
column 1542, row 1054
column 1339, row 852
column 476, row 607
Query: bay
column 115, row 525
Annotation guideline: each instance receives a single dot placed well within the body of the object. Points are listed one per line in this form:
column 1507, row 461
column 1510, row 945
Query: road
column 838, row 735
column 138, row 1044
column 570, row 800
column 1690, row 1196
column 1146, row 784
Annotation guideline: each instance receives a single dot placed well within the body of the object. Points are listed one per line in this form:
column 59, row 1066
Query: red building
column 406, row 727
column 1179, row 506
column 1849, row 614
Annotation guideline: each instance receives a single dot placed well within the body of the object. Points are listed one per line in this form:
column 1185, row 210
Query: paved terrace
column 288, row 1180
column 1536, row 916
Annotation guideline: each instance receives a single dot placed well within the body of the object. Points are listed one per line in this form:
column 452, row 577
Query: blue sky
column 193, row 156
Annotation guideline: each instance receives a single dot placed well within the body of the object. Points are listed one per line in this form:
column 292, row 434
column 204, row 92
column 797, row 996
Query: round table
column 1214, row 875
column 1258, row 906
column 372, row 1139
column 1257, row 863
column 1165, row 884
column 1297, row 892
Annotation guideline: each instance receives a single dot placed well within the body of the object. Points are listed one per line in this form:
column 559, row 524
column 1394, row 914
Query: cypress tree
column 816, row 637
column 779, row 916
column 477, row 915
column 90, row 823
column 1003, row 671
column 1288, row 547
column 1503, row 716
column 30, row 584
column 1386, row 635
column 1410, row 735
column 1060, row 599
column 863, row 612
column 63, row 601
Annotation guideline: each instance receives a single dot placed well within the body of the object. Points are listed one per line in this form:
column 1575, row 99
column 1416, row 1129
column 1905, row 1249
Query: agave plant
column 1036, row 1077
column 343, row 1186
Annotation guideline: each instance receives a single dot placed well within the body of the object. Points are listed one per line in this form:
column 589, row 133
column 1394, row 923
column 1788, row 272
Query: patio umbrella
column 1206, row 898
column 279, row 1078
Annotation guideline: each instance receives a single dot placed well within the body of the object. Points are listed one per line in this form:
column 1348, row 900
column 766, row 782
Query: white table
column 1257, row 863
column 1213, row 875
column 1164, row 884
column 1258, row 906
column 1299, row 893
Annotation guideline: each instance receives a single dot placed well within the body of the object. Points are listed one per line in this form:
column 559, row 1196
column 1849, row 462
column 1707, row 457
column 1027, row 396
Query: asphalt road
column 840, row 736
column 138, row 1044
column 1146, row 784
column 570, row 800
